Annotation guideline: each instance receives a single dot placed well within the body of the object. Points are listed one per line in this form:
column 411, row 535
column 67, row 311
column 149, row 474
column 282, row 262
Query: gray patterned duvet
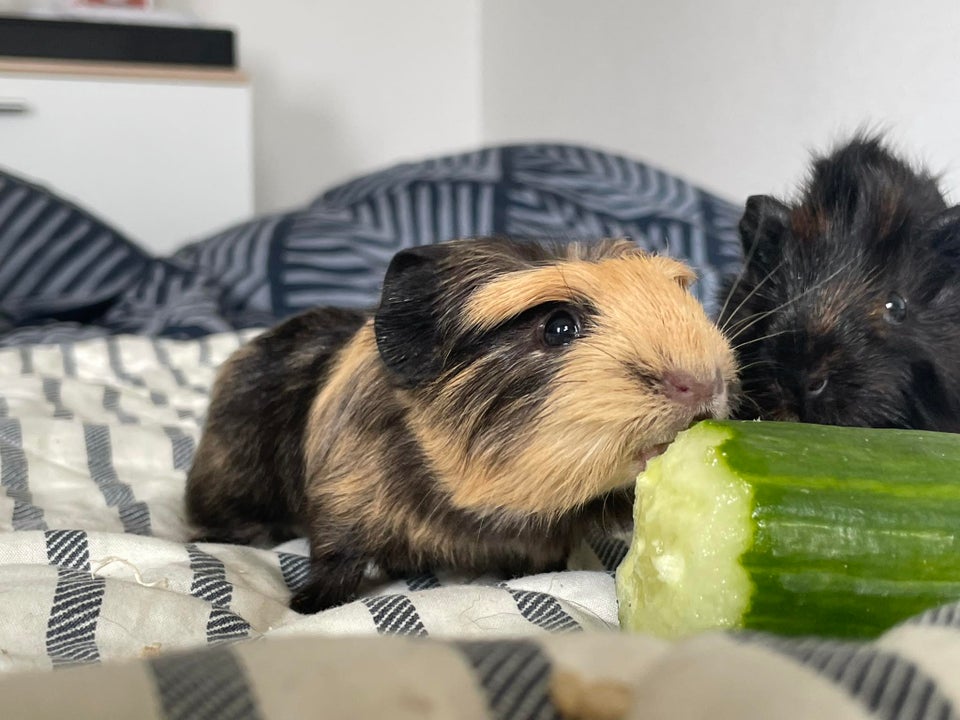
column 90, row 281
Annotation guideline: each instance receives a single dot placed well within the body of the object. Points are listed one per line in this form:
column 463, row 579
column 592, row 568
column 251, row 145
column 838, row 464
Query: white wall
column 731, row 93
column 346, row 86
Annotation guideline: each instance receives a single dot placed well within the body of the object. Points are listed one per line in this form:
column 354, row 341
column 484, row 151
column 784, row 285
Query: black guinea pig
column 847, row 309
column 498, row 404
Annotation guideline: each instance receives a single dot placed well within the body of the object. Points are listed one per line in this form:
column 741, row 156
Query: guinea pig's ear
column 679, row 271
column 407, row 323
column 943, row 233
column 764, row 220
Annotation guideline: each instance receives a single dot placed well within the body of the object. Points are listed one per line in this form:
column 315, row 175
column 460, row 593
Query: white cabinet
column 166, row 156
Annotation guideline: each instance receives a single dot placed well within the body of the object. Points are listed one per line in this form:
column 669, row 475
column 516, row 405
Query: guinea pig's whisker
column 758, row 363
column 754, row 319
column 749, row 295
column 736, row 283
column 823, row 282
column 758, row 339
column 751, row 320
column 564, row 278
column 730, row 292
column 753, row 402
column 607, row 353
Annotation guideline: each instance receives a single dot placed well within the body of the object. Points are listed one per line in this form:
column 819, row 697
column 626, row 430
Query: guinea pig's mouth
column 646, row 454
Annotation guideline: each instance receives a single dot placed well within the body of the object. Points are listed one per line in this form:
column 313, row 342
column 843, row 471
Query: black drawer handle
column 13, row 106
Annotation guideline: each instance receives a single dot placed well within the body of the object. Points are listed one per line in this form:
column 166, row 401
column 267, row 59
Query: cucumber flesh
column 793, row 528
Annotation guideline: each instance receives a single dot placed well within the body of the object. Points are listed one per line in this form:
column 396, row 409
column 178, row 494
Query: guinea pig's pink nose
column 684, row 387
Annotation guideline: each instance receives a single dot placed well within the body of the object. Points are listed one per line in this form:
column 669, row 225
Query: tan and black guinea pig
column 498, row 403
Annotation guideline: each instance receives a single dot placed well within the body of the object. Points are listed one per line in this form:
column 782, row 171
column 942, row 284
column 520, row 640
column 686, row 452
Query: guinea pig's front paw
column 314, row 597
column 305, row 602
column 332, row 582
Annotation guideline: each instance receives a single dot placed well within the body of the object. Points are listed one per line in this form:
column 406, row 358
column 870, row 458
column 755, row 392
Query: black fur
column 807, row 315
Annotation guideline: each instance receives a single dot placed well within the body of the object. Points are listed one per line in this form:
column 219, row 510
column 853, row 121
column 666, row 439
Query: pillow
column 58, row 261
column 335, row 250
column 64, row 274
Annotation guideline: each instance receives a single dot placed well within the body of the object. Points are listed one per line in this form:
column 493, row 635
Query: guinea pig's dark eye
column 895, row 309
column 561, row 328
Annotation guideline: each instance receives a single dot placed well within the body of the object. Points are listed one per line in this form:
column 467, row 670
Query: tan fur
column 355, row 363
column 348, row 464
column 563, row 282
column 345, row 466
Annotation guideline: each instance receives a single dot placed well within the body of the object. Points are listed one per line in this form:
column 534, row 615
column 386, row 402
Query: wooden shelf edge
column 143, row 71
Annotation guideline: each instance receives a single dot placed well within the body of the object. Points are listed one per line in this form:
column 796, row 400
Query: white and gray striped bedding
column 95, row 439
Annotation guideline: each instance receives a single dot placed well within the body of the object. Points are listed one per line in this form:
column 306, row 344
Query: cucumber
column 794, row 529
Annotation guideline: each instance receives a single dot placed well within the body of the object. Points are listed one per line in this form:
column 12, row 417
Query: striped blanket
column 95, row 440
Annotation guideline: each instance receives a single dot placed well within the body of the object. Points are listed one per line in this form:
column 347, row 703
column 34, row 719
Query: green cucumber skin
column 855, row 529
